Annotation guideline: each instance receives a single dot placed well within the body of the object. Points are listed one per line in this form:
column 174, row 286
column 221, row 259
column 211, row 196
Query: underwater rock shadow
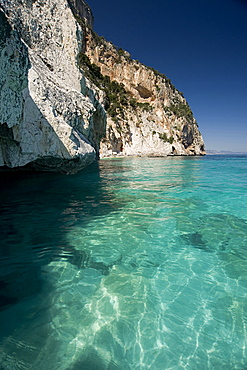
column 224, row 235
column 91, row 360
column 219, row 232
column 83, row 259
column 194, row 239
column 36, row 212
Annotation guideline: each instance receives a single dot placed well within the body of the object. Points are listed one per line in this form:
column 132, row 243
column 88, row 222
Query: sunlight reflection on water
column 138, row 264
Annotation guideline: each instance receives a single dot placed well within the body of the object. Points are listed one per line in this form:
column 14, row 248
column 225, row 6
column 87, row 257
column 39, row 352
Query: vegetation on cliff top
column 116, row 97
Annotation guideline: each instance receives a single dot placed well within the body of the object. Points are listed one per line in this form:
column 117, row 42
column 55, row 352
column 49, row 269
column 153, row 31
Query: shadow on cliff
column 27, row 138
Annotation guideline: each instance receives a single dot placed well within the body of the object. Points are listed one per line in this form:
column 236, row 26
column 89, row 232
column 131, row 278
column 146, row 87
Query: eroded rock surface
column 49, row 117
column 149, row 116
column 68, row 96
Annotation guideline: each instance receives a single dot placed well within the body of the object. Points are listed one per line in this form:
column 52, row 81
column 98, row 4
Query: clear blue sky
column 201, row 45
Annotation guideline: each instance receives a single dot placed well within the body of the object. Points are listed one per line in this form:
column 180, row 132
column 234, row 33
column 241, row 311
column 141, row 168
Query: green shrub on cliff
column 164, row 137
column 116, row 95
column 180, row 110
column 92, row 72
column 145, row 106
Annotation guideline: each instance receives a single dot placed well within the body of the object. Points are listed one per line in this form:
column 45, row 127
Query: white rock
column 47, row 112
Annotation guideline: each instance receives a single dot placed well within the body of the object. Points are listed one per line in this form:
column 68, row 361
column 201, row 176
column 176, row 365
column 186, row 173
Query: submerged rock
column 219, row 232
column 224, row 235
column 91, row 359
column 195, row 239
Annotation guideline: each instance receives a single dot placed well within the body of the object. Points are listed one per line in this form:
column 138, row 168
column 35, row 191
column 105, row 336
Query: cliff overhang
column 50, row 117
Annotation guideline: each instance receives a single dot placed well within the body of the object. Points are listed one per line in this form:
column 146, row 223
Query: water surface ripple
column 133, row 263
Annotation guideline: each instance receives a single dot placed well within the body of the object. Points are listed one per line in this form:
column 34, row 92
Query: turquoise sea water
column 134, row 263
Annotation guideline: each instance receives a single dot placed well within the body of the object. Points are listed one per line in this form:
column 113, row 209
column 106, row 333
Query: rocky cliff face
column 58, row 79
column 147, row 115
column 50, row 118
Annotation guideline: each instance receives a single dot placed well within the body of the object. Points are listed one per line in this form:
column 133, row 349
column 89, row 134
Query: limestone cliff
column 50, row 118
column 57, row 81
column 147, row 115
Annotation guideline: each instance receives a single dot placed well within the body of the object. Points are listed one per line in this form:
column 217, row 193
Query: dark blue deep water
column 133, row 263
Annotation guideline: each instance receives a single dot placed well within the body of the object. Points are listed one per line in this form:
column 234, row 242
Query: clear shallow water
column 136, row 263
